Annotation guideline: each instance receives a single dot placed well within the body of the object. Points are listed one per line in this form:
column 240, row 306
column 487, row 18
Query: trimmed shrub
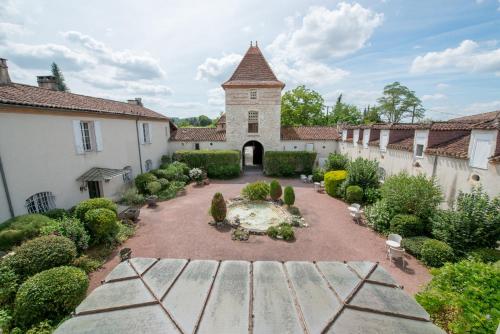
column 164, row 183
column 354, row 194
column 486, row 255
column 56, row 213
column 416, row 195
column 333, row 181
column 285, row 163
column 286, row 231
column 51, row 295
column 219, row 164
column 70, row 228
column 475, row 223
column 413, row 245
column 218, row 208
column 364, row 173
column 102, row 225
column 196, row 175
column 371, row 195
column 337, row 161
column 176, row 171
column 171, row 191
column 275, row 190
column 141, row 181
column 435, row 253
column 318, row 174
column 9, row 282
column 43, row 327
column 165, row 159
column 463, row 297
column 379, row 216
column 131, row 196
column 41, row 254
column 87, row 263
column 20, row 228
column 272, row 231
column 160, row 173
column 93, row 203
column 289, row 197
column 153, row 187
column 407, row 225
column 256, row 191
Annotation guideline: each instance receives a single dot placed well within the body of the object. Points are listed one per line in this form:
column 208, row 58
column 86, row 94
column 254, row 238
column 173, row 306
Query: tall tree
column 371, row 115
column 344, row 113
column 60, row 83
column 399, row 102
column 302, row 106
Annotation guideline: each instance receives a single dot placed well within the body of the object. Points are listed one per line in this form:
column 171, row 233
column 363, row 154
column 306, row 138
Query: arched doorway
column 252, row 154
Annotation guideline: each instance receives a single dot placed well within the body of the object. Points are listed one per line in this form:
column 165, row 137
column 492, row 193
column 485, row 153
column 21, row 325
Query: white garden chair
column 303, row 178
column 310, row 179
column 394, row 240
column 355, row 211
column 396, row 253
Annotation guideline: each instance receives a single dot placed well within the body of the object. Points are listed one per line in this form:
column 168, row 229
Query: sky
column 176, row 54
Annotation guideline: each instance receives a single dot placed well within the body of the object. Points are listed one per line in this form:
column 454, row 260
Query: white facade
column 40, row 152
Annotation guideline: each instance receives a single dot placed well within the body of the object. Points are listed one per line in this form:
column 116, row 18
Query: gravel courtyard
column 179, row 229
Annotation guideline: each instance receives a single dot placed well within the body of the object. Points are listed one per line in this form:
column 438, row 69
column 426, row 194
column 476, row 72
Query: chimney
column 47, row 82
column 137, row 101
column 4, row 72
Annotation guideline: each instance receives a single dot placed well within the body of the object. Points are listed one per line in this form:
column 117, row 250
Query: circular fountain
column 256, row 216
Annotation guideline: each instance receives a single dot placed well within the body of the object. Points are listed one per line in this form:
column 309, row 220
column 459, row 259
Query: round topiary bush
column 153, row 187
column 256, row 191
column 142, row 180
column 413, row 245
column 9, row 282
column 286, row 232
column 93, row 203
column 272, row 231
column 333, row 181
column 102, row 224
column 218, row 208
column 407, row 225
column 289, row 197
column 56, row 213
column 435, row 253
column 164, row 183
column 354, row 194
column 51, row 295
column 275, row 190
column 41, row 254
column 20, row 228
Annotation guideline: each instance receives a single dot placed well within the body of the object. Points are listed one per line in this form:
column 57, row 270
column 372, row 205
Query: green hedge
column 435, row 253
column 407, row 225
column 20, row 228
column 413, row 245
column 333, row 181
column 219, row 164
column 354, row 194
column 278, row 163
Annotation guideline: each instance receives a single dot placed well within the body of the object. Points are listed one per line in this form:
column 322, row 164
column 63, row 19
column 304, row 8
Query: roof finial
column 251, row 44
column 256, row 44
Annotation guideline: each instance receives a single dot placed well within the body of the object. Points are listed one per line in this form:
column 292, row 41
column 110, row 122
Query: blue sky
column 176, row 54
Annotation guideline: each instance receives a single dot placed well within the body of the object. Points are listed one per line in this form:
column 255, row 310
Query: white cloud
column 133, row 88
column 216, row 97
column 468, row 56
column 247, row 29
column 479, row 107
column 218, row 69
column 130, row 64
column 359, row 97
column 309, row 73
column 442, row 86
column 434, row 97
column 325, row 33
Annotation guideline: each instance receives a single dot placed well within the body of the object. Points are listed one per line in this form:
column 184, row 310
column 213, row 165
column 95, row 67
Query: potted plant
column 196, row 175
column 151, row 200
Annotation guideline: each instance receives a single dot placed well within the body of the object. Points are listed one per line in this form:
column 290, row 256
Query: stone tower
column 253, row 103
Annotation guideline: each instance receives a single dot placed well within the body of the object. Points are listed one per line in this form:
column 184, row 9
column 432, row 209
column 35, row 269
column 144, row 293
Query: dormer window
column 253, row 94
column 253, row 122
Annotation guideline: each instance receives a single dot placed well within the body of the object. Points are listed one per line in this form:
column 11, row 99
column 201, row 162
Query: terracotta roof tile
column 310, row 133
column 222, row 119
column 445, row 126
column 405, row 144
column 19, row 94
column 486, row 116
column 455, row 148
column 198, row 134
column 253, row 70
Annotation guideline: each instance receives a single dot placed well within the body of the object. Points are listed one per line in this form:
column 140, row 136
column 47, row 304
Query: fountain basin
column 256, row 216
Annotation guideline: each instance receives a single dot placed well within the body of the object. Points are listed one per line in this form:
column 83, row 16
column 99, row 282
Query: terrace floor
column 179, row 229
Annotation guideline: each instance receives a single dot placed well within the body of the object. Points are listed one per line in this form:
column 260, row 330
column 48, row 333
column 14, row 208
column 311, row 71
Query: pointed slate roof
column 253, row 71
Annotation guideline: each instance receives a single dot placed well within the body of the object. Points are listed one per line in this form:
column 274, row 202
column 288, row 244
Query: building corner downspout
column 138, row 142
column 6, row 188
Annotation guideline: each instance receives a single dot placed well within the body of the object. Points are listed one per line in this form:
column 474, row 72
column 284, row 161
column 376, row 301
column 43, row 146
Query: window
column 149, row 165
column 86, row 138
column 344, row 135
column 481, row 150
column 384, row 140
column 253, row 95
column 146, row 138
column 41, row 202
column 310, row 147
column 419, row 150
column 127, row 175
column 253, row 122
column 197, row 146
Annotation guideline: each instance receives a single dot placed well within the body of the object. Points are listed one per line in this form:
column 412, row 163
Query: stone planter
column 151, row 201
column 131, row 214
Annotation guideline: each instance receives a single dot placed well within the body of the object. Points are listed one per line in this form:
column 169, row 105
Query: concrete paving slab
column 161, row 276
column 381, row 275
column 121, row 271
column 361, row 267
column 353, row 321
column 186, row 299
column 317, row 302
column 148, row 319
column 273, row 306
column 384, row 298
column 141, row 264
column 340, row 277
column 116, row 294
column 227, row 310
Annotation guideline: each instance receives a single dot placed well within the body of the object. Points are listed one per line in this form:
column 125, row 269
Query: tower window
column 253, row 122
column 253, row 95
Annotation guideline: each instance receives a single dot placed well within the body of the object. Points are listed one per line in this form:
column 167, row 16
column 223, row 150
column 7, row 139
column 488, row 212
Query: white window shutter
column 98, row 135
column 77, row 134
column 482, row 149
column 150, row 138
column 141, row 133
